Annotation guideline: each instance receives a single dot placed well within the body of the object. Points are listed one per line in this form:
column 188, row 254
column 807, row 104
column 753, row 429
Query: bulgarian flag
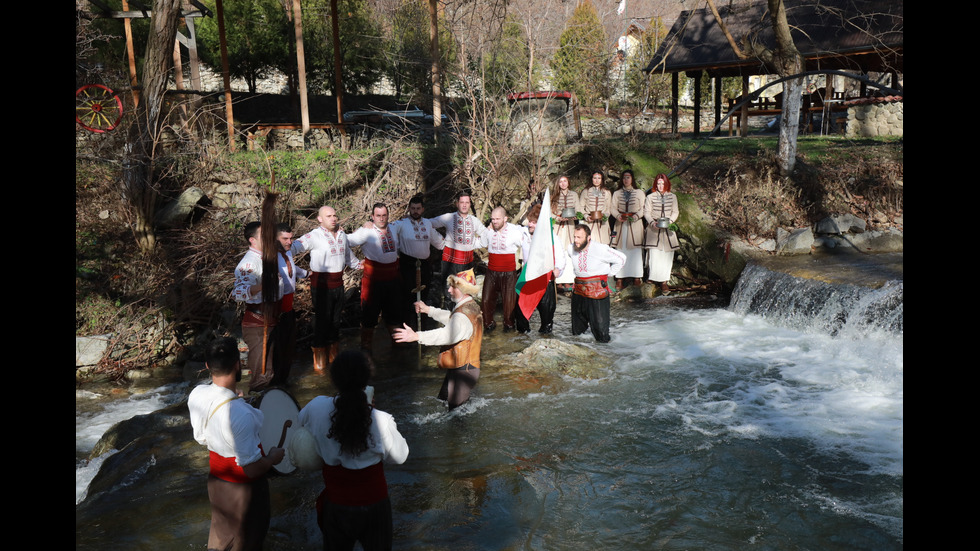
column 539, row 263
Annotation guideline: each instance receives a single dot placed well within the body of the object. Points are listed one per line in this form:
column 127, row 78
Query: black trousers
column 458, row 384
column 328, row 305
column 343, row 525
column 546, row 309
column 286, row 341
column 591, row 313
column 406, row 265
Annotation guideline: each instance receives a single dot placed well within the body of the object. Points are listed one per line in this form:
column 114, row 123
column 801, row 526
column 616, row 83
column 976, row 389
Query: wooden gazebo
column 857, row 36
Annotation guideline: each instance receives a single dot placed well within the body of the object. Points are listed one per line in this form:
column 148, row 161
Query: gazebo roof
column 860, row 35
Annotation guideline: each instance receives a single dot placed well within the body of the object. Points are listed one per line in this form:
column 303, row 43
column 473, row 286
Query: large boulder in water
column 558, row 357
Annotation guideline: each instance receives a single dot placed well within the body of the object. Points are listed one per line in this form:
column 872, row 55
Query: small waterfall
column 837, row 309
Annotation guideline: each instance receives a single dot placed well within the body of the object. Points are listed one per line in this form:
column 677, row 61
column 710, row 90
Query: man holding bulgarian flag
column 536, row 285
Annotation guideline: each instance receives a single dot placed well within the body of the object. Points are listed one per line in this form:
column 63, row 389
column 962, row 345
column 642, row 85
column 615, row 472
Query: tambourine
column 278, row 408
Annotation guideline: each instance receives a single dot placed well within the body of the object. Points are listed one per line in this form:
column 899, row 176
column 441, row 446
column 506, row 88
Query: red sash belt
column 253, row 316
column 502, row 262
column 379, row 271
column 286, row 304
column 227, row 469
column 330, row 280
column 353, row 487
column 456, row 256
column 591, row 287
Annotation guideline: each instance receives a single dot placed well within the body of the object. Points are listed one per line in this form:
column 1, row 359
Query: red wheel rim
column 97, row 108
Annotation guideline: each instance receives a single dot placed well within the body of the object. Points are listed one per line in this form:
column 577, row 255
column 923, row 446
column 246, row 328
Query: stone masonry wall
column 875, row 119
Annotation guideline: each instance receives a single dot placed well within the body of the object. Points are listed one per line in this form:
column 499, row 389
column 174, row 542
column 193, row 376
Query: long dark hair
column 350, row 423
column 622, row 178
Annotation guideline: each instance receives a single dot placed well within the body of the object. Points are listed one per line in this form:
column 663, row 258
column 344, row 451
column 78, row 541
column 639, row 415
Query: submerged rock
column 559, row 357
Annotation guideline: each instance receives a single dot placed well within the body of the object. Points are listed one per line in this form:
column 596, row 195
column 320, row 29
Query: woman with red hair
column 660, row 211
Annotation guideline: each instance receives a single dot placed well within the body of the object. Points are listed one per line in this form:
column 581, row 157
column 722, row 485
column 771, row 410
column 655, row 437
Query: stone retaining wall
column 875, row 119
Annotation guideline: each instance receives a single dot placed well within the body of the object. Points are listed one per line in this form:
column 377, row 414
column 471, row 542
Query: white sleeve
column 458, row 329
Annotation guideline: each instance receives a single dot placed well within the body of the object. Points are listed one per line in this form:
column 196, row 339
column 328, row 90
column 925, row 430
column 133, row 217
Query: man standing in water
column 416, row 238
column 463, row 234
column 594, row 263
column 548, row 304
column 502, row 240
column 381, row 284
column 237, row 485
column 289, row 273
column 329, row 255
column 460, row 338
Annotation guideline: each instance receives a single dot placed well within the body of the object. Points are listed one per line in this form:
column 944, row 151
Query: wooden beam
column 129, row 14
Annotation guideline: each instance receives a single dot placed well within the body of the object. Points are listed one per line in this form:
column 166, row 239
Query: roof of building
column 862, row 35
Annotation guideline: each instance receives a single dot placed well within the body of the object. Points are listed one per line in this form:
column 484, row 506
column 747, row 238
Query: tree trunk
column 436, row 76
column 137, row 178
column 788, row 62
column 789, row 125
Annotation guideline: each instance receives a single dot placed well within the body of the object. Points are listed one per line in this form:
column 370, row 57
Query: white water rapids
column 768, row 423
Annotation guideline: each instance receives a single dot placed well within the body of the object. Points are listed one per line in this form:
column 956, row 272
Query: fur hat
column 465, row 282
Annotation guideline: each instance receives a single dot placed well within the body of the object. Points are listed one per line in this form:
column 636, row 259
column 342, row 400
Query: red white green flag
column 540, row 261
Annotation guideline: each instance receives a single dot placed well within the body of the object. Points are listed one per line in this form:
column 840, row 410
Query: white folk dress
column 629, row 235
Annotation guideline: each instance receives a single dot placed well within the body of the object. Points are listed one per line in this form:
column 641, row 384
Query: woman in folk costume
column 564, row 201
column 352, row 440
column 627, row 210
column 661, row 209
column 595, row 203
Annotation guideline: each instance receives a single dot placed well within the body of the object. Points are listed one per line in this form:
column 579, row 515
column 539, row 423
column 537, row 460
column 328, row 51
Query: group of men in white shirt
column 399, row 265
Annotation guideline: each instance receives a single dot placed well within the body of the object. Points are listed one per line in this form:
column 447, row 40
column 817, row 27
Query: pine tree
column 582, row 58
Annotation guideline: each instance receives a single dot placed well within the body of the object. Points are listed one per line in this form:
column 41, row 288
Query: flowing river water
column 774, row 422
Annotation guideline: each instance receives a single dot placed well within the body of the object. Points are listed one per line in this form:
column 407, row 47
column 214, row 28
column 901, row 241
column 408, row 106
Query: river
column 713, row 427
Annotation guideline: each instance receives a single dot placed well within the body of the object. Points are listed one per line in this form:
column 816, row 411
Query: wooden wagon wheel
column 97, row 108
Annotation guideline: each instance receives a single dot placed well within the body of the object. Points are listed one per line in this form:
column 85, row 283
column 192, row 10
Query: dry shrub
column 750, row 199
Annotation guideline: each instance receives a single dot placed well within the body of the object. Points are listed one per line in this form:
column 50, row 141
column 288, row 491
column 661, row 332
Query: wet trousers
column 458, row 384
column 591, row 313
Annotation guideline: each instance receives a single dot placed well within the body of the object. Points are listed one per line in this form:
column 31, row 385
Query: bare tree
column 140, row 149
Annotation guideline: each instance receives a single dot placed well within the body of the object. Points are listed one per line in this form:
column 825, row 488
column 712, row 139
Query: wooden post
column 338, row 82
column 717, row 104
column 304, row 106
column 743, row 126
column 192, row 54
column 132, row 56
column 697, row 104
column 674, row 101
column 229, row 114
